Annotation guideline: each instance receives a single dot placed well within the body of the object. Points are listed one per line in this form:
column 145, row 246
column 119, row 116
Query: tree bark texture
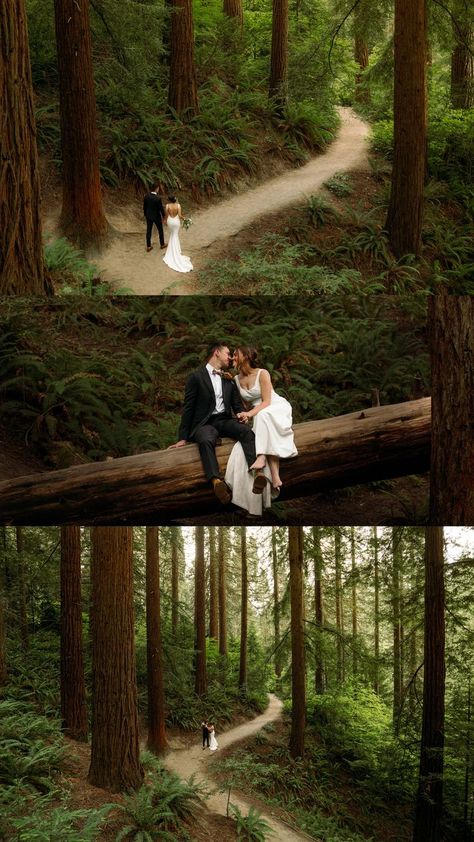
column 340, row 669
column 82, row 217
column 157, row 487
column 376, row 609
column 319, row 678
column 396, row 622
column 174, row 583
column 213, row 586
column 73, row 686
column 233, row 9
column 115, row 756
column 200, row 676
column 157, row 741
column 354, row 604
column 21, row 591
column 243, row 610
column 182, row 96
column 222, row 591
column 276, row 604
column 405, row 212
column 21, row 247
column 429, row 804
column 462, row 69
column 278, row 87
column 451, row 326
column 298, row 670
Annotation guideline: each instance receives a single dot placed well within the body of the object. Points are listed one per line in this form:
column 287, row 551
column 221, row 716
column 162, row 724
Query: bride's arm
column 266, row 390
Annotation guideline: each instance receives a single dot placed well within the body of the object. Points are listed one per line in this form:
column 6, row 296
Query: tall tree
column 429, row 803
column 396, row 621
column 278, row 87
column 243, row 610
column 375, row 539
column 339, row 607
column 22, row 269
column 222, row 592
column 182, row 95
column 174, row 581
column 298, row 670
column 73, row 685
column 213, row 586
column 276, row 604
column 405, row 211
column 354, row 603
column 233, row 9
column 319, row 682
column 451, row 324
column 3, row 616
column 21, row 590
column 82, row 217
column 200, row 674
column 462, row 59
column 115, row 754
column 157, row 742
column 361, row 51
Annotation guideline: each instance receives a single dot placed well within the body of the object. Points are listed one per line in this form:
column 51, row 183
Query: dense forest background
column 207, row 98
column 365, row 634
column 85, row 378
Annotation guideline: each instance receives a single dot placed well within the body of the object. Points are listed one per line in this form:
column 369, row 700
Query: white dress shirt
column 216, row 381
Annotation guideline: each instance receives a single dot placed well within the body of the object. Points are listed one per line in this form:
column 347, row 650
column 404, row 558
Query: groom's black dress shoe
column 222, row 491
column 149, row 248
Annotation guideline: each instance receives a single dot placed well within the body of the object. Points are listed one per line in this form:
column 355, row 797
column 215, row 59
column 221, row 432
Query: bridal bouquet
column 187, row 222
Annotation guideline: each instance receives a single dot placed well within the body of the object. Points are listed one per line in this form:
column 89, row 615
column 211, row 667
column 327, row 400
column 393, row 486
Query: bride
column 271, row 416
column 213, row 744
column 173, row 257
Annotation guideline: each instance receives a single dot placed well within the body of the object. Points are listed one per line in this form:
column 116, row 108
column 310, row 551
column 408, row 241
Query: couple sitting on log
column 217, row 403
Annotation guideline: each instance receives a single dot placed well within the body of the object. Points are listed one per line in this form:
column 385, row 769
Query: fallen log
column 163, row 486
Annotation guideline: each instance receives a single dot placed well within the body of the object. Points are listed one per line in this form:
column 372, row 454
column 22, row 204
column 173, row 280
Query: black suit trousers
column 149, row 228
column 217, row 426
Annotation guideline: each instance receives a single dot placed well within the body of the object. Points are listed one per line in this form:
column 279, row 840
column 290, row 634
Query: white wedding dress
column 273, row 436
column 213, row 744
column 173, row 257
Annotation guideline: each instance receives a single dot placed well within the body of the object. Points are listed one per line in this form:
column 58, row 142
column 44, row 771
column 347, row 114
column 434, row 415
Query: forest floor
column 194, row 761
column 125, row 264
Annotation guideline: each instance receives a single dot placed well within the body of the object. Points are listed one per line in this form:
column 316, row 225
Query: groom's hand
column 179, row 443
column 243, row 417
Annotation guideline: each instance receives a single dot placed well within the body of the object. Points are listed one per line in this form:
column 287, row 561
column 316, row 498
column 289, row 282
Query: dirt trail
column 126, row 264
column 189, row 761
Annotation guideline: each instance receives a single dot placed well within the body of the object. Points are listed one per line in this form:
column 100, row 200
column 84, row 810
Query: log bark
column 162, row 486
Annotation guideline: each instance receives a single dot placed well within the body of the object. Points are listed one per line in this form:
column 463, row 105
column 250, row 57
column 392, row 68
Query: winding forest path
column 189, row 761
column 126, row 264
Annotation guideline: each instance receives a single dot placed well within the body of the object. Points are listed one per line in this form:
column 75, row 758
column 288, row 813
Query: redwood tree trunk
column 354, row 604
column 157, row 742
column 318, row 609
column 405, row 212
column 174, row 582
column 429, row 802
column 451, row 322
column 82, row 216
column 182, row 96
column 73, row 686
column 115, row 756
column 339, row 608
column 278, row 88
column 243, row 611
column 3, row 619
column 396, row 623
column 213, row 586
column 233, row 9
column 298, row 672
column 376, row 610
column 21, row 591
column 200, row 676
column 276, row 605
column 462, row 69
column 222, row 594
column 21, row 248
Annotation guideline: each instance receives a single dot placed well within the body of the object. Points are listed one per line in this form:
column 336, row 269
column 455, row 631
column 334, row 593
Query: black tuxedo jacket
column 153, row 207
column 200, row 401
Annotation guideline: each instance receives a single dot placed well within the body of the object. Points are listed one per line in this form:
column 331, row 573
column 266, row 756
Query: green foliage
column 320, row 211
column 158, row 811
column 60, row 823
column 339, row 184
column 250, row 828
column 32, row 748
column 71, row 271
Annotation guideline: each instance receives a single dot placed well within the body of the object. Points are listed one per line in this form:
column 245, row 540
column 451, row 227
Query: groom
column 154, row 213
column 210, row 398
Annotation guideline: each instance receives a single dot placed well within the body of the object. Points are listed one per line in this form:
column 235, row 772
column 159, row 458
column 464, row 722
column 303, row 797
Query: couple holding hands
column 218, row 404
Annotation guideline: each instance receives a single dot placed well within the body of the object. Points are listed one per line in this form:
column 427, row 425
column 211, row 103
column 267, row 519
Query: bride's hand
column 243, row 417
